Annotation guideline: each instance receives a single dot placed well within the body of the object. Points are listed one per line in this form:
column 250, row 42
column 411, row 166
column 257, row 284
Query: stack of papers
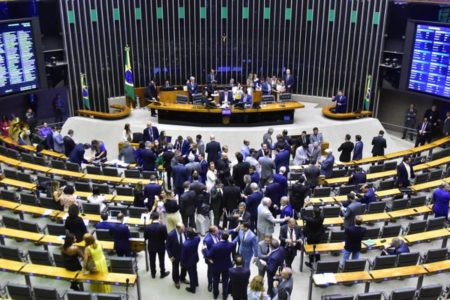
column 324, row 279
column 369, row 242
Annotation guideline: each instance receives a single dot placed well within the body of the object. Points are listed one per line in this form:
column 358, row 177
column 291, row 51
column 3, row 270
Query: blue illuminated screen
column 18, row 65
column 430, row 71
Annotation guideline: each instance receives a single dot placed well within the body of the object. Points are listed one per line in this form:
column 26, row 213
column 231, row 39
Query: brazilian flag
column 129, row 84
column 366, row 102
column 85, row 93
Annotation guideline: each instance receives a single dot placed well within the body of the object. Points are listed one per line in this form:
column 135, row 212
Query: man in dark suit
column 358, row 150
column 238, row 216
column 239, row 170
column 423, row 131
column 152, row 189
column 212, row 78
column 151, row 94
column 223, row 168
column 346, row 149
column 379, row 144
column 353, row 237
column 69, row 143
column 353, row 209
column 405, row 173
column 220, row 258
column 281, row 159
column 148, row 158
column 77, row 154
column 300, row 190
column 289, row 81
column 150, row 133
column 192, row 86
column 312, row 173
column 284, row 284
column 213, row 149
column 266, row 87
column 273, row 191
column 180, row 175
column 174, row 243
column 231, row 199
column 432, row 116
column 121, row 234
column 187, row 205
column 189, row 258
column 290, row 238
column 341, row 102
column 281, row 179
column 239, row 278
column 252, row 201
column 156, row 236
column 272, row 262
column 358, row 176
column 211, row 238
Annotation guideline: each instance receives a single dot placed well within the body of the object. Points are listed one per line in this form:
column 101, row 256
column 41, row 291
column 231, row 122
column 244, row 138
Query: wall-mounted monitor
column 426, row 65
column 21, row 61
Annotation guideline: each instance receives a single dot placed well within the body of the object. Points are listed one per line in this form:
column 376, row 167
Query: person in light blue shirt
column 245, row 149
column 316, row 137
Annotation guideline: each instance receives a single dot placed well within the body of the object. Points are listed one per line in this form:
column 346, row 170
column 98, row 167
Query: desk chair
column 434, row 255
column 73, row 295
column 399, row 204
column 11, row 174
column 103, row 235
column 124, row 265
column 376, row 207
column 49, row 203
column 72, row 167
column 12, row 253
column 104, row 188
column 11, row 222
column 327, row 267
column 430, row 292
column 28, row 158
column 58, row 164
column 108, row 297
column 83, row 187
column 354, row 265
column 30, row 226
column 12, row 153
column 390, row 165
column 8, row 195
column 383, row 262
column 40, row 257
column 124, row 191
column 29, row 199
column 391, row 231
column 56, row 229
column 416, row 201
column 337, row 236
column 402, row 294
column 372, row 233
column 24, row 177
column 93, row 170
column 436, row 223
column 422, row 178
column 408, row 259
column 370, row 296
column 58, row 258
column 386, row 184
column 435, row 175
column 91, row 208
column 108, row 171
column 345, row 189
column 136, row 212
column 376, row 168
column 339, row 173
column 416, row 226
column 19, row 291
column 45, row 293
column 40, row 161
column 147, row 174
column 331, row 211
column 322, row 192
column 337, row 297
column 132, row 174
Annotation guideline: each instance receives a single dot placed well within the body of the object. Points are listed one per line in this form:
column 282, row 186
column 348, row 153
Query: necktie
column 424, row 125
column 181, row 239
column 292, row 234
column 150, row 131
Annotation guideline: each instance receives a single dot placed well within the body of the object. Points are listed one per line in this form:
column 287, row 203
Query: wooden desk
column 400, row 272
column 387, row 193
column 85, row 195
column 438, row 266
column 123, row 112
column 328, row 200
column 328, row 112
column 48, row 271
column 428, row 235
column 427, row 185
column 18, row 184
column 376, row 217
column 399, row 154
column 53, row 154
column 121, row 198
column 21, row 234
column 58, row 241
column 11, row 265
column 425, row 147
column 67, row 173
column 34, row 167
column 126, row 180
column 108, row 278
column 409, row 212
column 438, row 162
column 369, row 160
column 9, row 161
column 8, row 204
column 113, row 179
column 37, row 210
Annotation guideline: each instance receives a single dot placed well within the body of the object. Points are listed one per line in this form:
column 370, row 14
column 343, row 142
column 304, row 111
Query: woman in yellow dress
column 94, row 250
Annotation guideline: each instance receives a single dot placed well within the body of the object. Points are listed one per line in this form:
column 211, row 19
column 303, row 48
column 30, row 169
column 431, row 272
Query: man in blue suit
column 273, row 191
column 423, row 132
column 156, row 235
column 239, row 277
column 291, row 239
column 252, row 201
column 281, row 179
column 282, row 158
column 212, row 78
column 180, row 175
column 266, row 87
column 441, row 198
column 151, row 133
column 121, row 234
column 289, row 81
column 148, row 158
column 189, row 258
column 368, row 195
column 358, row 150
column 77, row 154
column 192, row 86
column 175, row 240
column 358, row 176
column 211, row 238
column 341, row 102
column 272, row 263
column 405, row 172
column 220, row 258
column 326, row 167
column 247, row 244
column 151, row 190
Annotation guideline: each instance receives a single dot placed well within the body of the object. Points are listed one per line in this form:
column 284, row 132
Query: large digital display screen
column 430, row 60
column 19, row 70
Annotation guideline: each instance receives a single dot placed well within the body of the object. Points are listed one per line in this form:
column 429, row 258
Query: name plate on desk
column 226, row 112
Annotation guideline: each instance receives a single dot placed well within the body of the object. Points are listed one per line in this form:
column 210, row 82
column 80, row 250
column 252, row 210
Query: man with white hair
column 326, row 167
column 192, row 86
column 289, row 81
column 213, row 149
column 283, row 285
column 245, row 149
column 150, row 133
column 266, row 221
column 314, row 152
column 281, row 179
column 252, row 201
column 267, row 137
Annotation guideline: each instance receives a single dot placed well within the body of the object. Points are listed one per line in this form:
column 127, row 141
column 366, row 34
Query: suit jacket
column 150, row 92
column 150, row 191
column 197, row 187
column 189, row 252
column 252, row 202
column 77, row 154
column 266, row 222
column 312, row 174
column 150, row 137
column 239, row 170
column 346, row 148
column 402, row 175
column 289, row 81
column 220, row 254
column 358, row 177
column 275, row 259
column 192, row 88
column 231, row 196
column 368, row 197
column 420, row 132
column 282, row 181
column 273, row 191
column 282, row 159
column 326, row 167
column 239, row 278
column 379, row 144
column 213, row 150
column 298, row 195
column 353, row 237
column 187, row 203
column 314, row 229
column 173, row 246
column 76, row 226
column 441, row 198
column 148, row 160
column 266, row 88
column 247, row 247
column 267, row 166
column 156, row 234
column 354, row 209
column 432, row 116
column 179, row 175
column 341, row 104
column 358, row 150
column 284, row 235
column 122, row 235
column 285, row 285
column 69, row 145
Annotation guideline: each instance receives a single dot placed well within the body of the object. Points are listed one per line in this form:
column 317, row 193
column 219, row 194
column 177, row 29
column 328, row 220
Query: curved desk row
column 194, row 115
column 29, row 148
column 123, row 112
column 328, row 112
